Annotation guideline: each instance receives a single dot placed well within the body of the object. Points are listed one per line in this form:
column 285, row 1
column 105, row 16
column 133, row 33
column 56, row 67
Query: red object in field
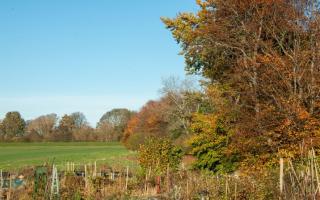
column 158, row 183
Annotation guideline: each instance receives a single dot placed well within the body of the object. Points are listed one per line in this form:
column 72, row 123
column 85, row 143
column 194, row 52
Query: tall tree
column 43, row 125
column 151, row 120
column 105, row 130
column 114, row 122
column 117, row 117
column 80, row 120
column 263, row 58
column 13, row 125
column 66, row 127
column 184, row 98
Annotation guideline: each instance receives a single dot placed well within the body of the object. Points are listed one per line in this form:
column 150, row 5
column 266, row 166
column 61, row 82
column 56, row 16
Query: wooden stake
column 145, row 184
column 168, row 179
column 1, row 180
column 316, row 171
column 9, row 192
column 281, row 176
column 187, row 188
column 148, row 179
column 235, row 191
column 227, row 186
column 95, row 169
column 127, row 178
column 85, row 176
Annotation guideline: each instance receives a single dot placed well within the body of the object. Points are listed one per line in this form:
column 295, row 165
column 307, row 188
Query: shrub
column 209, row 144
column 134, row 141
column 159, row 154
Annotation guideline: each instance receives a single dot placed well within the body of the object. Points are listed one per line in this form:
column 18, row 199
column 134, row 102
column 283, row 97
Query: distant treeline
column 168, row 117
column 73, row 127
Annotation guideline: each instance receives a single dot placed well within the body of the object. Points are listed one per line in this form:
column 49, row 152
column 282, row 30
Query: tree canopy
column 262, row 59
column 12, row 125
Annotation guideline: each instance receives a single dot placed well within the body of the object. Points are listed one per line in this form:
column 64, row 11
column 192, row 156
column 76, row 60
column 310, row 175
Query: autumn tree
column 106, row 131
column 151, row 120
column 81, row 130
column 114, row 122
column 65, row 128
column 263, row 57
column 43, row 125
column 184, row 99
column 170, row 116
column 12, row 125
column 80, row 120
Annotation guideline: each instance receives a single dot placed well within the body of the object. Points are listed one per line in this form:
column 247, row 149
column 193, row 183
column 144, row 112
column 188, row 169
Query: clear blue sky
column 91, row 56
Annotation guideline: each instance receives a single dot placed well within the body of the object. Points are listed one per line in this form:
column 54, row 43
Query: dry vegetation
column 294, row 181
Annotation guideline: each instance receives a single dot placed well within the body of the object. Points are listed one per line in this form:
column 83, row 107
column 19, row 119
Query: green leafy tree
column 13, row 125
column 210, row 144
column 158, row 154
column 66, row 127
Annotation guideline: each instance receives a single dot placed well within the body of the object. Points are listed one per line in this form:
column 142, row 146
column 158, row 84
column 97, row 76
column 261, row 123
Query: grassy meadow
column 21, row 155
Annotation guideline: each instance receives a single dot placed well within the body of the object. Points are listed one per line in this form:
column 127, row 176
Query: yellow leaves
column 182, row 27
column 264, row 59
column 157, row 154
column 203, row 4
column 199, row 2
column 274, row 60
column 286, row 153
column 204, row 123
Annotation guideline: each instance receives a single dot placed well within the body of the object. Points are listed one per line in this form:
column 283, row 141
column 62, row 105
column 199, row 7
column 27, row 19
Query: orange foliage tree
column 265, row 56
column 152, row 120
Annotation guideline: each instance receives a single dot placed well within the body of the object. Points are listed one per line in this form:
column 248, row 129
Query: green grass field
column 21, row 155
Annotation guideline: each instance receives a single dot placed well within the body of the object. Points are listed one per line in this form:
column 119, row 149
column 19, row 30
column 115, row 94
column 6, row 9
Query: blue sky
column 91, row 56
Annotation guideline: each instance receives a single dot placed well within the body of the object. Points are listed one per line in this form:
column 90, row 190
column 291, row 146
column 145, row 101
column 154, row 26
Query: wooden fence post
column 281, row 176
column 85, row 176
column 127, row 178
column 168, row 179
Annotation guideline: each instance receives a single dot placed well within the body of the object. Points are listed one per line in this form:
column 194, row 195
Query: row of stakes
column 71, row 168
column 6, row 179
